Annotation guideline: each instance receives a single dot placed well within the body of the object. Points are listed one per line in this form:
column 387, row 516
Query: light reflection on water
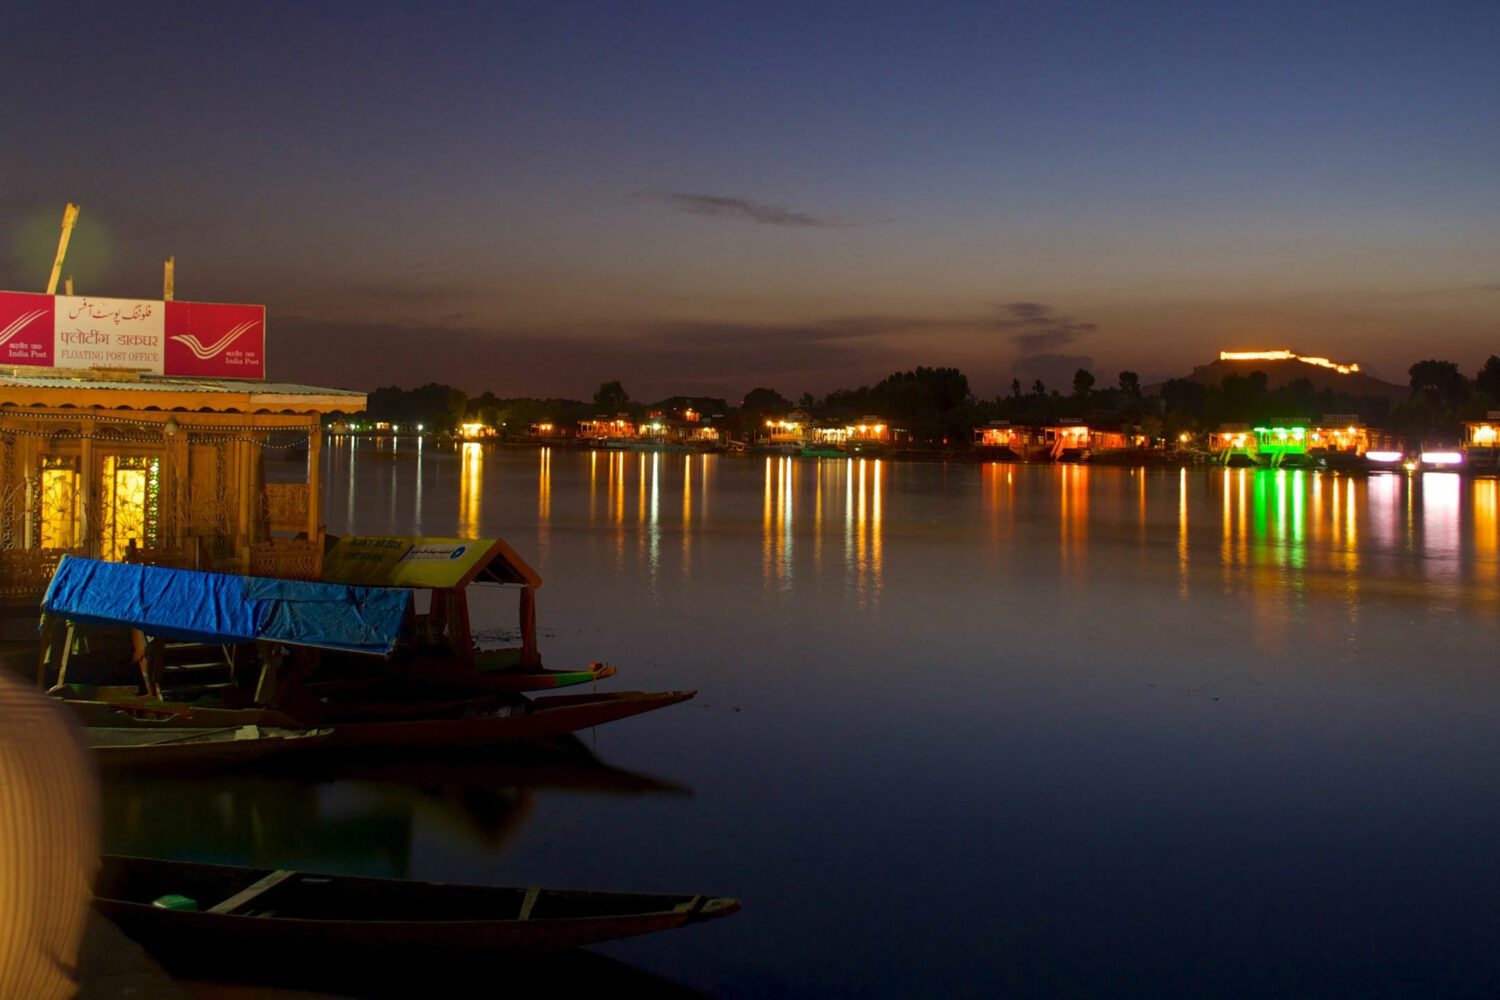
column 1223, row 725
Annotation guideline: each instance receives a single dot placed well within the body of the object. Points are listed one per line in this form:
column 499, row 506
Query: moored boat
column 468, row 722
column 164, row 745
column 174, row 905
column 276, row 633
column 439, row 647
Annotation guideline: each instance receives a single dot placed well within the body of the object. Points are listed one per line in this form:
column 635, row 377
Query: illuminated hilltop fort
column 1342, row 369
column 1283, row 366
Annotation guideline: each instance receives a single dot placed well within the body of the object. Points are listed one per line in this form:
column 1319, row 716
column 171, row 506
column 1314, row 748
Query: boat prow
column 517, row 720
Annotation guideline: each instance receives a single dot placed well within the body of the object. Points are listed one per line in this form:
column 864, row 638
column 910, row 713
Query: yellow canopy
column 443, row 563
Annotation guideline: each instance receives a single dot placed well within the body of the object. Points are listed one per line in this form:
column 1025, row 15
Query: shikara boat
column 168, row 746
column 280, row 625
column 440, row 646
column 495, row 720
column 278, row 631
column 175, row 905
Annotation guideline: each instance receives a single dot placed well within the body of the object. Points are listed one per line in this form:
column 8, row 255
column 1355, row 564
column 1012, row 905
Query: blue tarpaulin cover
column 217, row 607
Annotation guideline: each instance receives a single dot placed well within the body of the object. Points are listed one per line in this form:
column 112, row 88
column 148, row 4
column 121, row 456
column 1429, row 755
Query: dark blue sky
column 533, row 198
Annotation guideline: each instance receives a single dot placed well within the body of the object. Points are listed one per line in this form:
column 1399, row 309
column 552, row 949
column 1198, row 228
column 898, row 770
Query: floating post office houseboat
column 137, row 430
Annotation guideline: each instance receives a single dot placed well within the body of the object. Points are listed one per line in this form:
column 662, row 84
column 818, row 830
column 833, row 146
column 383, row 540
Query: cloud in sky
column 1055, row 370
column 744, row 209
column 1035, row 328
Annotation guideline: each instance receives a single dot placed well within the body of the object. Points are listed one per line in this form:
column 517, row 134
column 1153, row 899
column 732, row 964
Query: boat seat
column 257, row 888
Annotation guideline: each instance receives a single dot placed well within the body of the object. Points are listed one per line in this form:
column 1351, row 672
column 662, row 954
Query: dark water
column 961, row 729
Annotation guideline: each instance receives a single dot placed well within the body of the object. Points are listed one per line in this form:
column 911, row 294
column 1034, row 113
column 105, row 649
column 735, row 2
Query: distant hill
column 1280, row 371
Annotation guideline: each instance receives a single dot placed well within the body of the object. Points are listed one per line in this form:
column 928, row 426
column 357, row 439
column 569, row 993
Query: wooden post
column 68, row 285
column 51, row 629
column 169, row 279
column 314, row 498
column 88, row 491
column 459, row 636
column 67, row 654
column 156, row 651
column 69, row 220
column 138, row 657
column 529, row 655
column 270, row 672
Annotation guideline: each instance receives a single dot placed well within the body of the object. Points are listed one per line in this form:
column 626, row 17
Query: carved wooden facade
column 166, row 471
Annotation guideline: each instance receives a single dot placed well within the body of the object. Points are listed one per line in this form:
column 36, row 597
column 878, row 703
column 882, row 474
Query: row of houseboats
column 1335, row 441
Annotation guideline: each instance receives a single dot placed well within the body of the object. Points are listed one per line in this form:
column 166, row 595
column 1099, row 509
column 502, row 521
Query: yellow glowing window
column 57, row 505
column 1484, row 434
column 129, row 504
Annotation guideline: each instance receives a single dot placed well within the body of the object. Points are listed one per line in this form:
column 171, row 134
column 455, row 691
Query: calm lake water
column 961, row 729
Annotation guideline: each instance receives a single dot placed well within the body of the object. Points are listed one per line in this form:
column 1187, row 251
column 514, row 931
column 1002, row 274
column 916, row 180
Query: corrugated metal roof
column 160, row 383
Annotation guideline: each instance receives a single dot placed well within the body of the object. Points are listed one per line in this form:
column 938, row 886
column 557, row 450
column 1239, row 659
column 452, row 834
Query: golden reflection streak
column 687, row 514
column 1315, row 514
column 1075, row 516
column 470, row 490
column 1244, row 533
column 617, row 487
column 876, row 528
column 703, row 490
column 861, row 529
column 544, row 495
column 818, row 519
column 1485, row 524
column 1226, row 549
column 767, row 527
column 1182, row 533
column 789, row 493
column 1350, row 550
column 615, row 471
column 1351, row 525
column 1140, row 475
column 593, row 482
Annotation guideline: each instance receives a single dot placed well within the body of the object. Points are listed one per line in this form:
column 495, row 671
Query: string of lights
column 168, row 427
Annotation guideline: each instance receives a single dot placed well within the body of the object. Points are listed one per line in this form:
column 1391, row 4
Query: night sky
column 703, row 197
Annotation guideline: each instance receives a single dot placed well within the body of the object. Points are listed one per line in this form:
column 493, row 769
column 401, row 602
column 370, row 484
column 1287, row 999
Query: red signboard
column 220, row 341
column 26, row 329
column 170, row 338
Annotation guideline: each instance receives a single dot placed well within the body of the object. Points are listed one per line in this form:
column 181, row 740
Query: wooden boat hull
column 537, row 719
column 446, row 672
column 326, row 916
column 176, row 747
